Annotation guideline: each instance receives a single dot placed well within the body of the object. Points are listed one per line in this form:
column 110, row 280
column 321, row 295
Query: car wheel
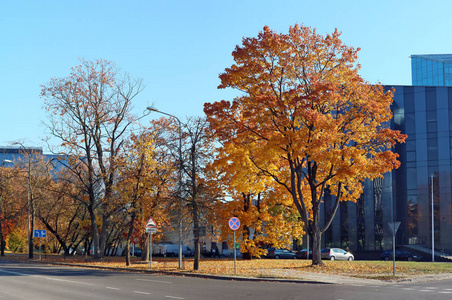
column 350, row 258
column 386, row 258
column 277, row 257
column 332, row 258
column 410, row 258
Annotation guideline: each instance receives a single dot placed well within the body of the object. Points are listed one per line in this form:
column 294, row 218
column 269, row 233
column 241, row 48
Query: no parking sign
column 234, row 223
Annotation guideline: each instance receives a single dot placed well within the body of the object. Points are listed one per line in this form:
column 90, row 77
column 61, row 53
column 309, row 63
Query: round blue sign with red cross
column 234, row 223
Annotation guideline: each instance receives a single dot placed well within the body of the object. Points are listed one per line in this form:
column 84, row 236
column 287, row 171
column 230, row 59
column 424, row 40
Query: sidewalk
column 342, row 279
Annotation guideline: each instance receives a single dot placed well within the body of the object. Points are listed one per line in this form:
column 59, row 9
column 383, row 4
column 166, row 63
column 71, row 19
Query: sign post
column 40, row 234
column 151, row 228
column 393, row 226
column 234, row 224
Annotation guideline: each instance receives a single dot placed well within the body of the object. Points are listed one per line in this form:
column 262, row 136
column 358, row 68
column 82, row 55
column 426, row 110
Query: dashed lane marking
column 151, row 280
column 47, row 278
column 143, row 293
column 65, row 280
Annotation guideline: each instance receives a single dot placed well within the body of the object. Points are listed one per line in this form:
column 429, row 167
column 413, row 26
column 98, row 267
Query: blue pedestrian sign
column 234, row 223
column 40, row 233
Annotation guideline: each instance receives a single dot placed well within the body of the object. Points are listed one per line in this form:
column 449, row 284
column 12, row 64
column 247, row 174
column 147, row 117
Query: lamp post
column 433, row 222
column 2, row 242
column 31, row 210
column 153, row 109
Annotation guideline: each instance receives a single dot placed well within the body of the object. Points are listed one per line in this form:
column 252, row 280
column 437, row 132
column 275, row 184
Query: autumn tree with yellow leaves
column 267, row 215
column 306, row 119
column 141, row 186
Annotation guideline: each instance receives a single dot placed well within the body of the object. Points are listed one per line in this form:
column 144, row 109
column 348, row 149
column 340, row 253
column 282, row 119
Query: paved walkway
column 342, row 279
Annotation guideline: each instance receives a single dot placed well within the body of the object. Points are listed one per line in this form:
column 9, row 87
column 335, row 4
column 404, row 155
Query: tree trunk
column 246, row 230
column 95, row 241
column 128, row 252
column 103, row 235
column 129, row 235
column 145, row 249
column 246, row 235
column 196, row 236
column 316, row 242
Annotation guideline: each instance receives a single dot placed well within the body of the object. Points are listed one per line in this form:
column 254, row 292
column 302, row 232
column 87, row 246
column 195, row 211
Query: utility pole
column 150, row 108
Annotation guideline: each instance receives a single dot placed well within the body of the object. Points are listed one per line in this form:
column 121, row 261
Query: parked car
column 280, row 253
column 301, row 254
column 399, row 255
column 336, row 254
column 135, row 252
column 188, row 252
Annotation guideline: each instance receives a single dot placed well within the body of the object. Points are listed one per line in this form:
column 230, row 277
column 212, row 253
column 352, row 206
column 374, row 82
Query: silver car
column 336, row 254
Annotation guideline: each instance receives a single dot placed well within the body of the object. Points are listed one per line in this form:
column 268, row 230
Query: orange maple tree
column 306, row 119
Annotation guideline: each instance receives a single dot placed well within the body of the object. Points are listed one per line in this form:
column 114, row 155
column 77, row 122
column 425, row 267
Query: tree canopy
column 306, row 119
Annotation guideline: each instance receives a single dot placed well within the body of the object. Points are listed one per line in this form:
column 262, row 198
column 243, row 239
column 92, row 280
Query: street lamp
column 153, row 109
column 433, row 223
column 2, row 242
column 31, row 209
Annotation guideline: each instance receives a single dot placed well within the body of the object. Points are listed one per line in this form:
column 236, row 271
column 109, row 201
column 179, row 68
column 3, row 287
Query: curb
column 181, row 274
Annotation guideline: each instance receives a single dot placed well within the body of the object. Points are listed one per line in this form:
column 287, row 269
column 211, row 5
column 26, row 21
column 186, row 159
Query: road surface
column 37, row 281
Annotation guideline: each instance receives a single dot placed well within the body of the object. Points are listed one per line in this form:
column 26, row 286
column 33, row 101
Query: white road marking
column 65, row 280
column 150, row 280
column 172, row 297
column 425, row 291
column 48, row 278
column 144, row 293
column 112, row 288
column 444, row 292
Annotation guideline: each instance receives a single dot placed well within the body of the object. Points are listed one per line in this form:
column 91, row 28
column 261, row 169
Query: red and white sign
column 151, row 224
column 151, row 227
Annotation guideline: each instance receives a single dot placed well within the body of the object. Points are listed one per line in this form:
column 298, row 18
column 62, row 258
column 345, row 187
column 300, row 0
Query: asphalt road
column 36, row 281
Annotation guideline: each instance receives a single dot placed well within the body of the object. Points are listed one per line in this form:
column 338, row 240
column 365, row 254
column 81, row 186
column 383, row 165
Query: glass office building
column 431, row 70
column 405, row 195
column 10, row 155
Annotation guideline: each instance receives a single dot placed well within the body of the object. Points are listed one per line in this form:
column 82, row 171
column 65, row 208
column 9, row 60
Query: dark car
column 135, row 252
column 301, row 254
column 280, row 253
column 188, row 252
column 399, row 255
column 336, row 254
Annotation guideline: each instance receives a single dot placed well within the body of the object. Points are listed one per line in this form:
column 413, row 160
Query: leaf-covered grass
column 261, row 268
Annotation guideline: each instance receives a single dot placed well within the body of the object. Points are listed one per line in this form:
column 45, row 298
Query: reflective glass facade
column 11, row 155
column 425, row 114
column 431, row 70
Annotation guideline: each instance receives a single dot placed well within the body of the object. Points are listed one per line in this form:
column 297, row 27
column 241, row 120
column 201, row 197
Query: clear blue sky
column 180, row 47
